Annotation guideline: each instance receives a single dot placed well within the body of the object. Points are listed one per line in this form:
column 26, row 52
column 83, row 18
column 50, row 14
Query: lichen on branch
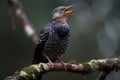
column 30, row 72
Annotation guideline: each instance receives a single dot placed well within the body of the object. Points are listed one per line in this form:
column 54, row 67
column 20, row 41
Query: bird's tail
column 38, row 55
column 37, row 58
column 38, row 77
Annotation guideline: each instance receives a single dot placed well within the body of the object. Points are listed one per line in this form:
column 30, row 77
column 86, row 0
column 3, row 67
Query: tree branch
column 17, row 6
column 30, row 72
column 103, row 75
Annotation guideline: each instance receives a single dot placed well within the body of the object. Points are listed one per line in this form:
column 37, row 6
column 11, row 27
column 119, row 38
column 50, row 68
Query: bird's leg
column 49, row 61
column 62, row 63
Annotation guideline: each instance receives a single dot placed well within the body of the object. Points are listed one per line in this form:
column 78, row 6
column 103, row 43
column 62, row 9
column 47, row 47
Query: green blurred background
column 95, row 30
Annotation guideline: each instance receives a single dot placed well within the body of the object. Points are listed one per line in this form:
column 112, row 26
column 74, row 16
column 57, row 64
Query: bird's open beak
column 68, row 10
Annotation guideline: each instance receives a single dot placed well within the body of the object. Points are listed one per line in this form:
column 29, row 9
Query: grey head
column 61, row 12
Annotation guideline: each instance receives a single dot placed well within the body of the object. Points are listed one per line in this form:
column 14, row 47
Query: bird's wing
column 38, row 55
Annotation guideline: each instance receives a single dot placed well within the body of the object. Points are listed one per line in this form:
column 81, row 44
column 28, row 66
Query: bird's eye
column 62, row 8
column 59, row 10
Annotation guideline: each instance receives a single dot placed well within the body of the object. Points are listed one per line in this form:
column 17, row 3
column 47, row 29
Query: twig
column 30, row 72
column 17, row 6
column 10, row 14
column 103, row 75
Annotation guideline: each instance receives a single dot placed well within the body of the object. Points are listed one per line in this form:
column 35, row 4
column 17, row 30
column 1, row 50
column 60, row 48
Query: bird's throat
column 62, row 19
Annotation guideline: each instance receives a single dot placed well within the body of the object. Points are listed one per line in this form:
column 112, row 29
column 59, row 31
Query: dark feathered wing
column 38, row 55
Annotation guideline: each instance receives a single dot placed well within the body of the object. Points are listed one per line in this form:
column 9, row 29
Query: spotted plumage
column 54, row 40
column 54, row 37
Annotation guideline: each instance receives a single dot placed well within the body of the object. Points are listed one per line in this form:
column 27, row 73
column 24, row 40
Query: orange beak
column 68, row 10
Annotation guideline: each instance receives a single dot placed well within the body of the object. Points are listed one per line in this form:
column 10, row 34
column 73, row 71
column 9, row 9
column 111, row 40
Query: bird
column 54, row 38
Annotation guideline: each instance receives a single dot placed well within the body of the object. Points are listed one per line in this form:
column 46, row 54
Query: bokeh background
column 95, row 34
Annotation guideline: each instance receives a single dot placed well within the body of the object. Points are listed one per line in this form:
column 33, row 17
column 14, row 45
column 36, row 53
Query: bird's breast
column 55, row 47
column 58, row 40
column 61, row 31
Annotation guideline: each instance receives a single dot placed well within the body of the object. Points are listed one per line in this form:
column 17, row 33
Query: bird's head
column 61, row 13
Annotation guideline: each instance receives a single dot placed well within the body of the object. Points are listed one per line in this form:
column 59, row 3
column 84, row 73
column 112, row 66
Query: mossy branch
column 30, row 72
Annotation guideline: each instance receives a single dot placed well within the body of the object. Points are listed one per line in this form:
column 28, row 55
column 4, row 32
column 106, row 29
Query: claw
column 49, row 61
column 62, row 63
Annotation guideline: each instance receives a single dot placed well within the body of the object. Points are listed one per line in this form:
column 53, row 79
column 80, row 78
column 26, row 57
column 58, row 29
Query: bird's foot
column 63, row 64
column 50, row 62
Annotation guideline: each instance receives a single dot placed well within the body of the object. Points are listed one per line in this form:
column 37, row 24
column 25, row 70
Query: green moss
column 87, row 68
column 93, row 65
column 72, row 62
